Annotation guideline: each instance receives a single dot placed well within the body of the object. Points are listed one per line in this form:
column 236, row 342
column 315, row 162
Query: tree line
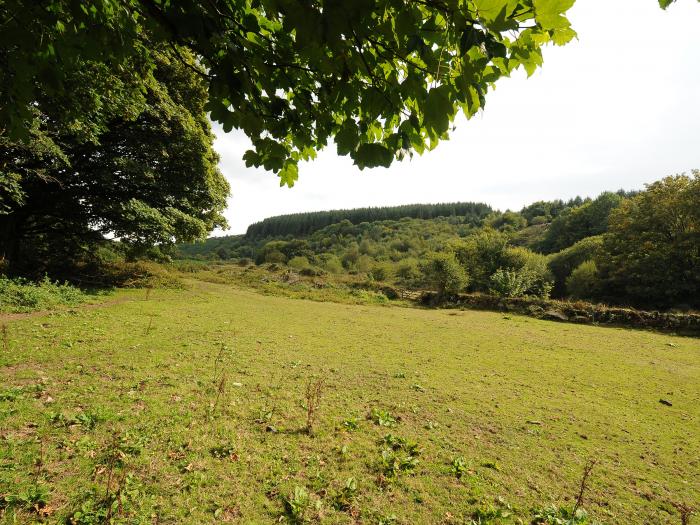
column 302, row 224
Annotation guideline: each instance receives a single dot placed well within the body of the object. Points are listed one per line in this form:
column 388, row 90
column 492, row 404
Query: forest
column 639, row 248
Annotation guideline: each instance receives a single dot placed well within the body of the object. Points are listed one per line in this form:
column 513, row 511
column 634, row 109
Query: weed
column 344, row 499
column 587, row 469
column 220, row 379
column 386, row 519
column 382, row 418
column 223, row 451
column 398, row 455
column 686, row 511
column 314, row 391
column 150, row 323
column 491, row 514
column 128, row 499
column 458, row 467
column 351, row 424
column 298, row 506
column 5, row 338
column 33, row 498
column 561, row 516
column 492, row 465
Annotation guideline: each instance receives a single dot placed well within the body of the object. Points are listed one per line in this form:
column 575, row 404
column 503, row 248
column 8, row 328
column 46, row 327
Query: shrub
column 299, row 263
column 381, row 272
column 564, row 262
column 21, row 295
column 583, row 283
column 443, row 272
column 331, row 263
column 509, row 283
column 407, row 271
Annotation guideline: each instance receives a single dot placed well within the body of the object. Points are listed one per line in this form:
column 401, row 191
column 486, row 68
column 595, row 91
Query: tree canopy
column 382, row 78
column 143, row 170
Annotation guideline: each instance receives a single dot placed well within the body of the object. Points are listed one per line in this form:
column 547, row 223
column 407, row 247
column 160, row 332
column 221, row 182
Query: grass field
column 190, row 406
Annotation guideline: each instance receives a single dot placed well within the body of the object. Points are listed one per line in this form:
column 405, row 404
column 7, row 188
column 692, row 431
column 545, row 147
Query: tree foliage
column 574, row 224
column 381, row 78
column 651, row 253
column 444, row 273
column 144, row 171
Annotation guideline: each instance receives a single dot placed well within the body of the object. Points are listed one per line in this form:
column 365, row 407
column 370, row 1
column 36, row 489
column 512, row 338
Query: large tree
column 383, row 78
column 140, row 167
column 651, row 253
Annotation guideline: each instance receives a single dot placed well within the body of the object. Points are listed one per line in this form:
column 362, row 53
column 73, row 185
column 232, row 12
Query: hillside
column 191, row 407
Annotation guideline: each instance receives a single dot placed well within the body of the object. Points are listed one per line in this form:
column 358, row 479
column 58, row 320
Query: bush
column 442, row 271
column 583, row 283
column 407, row 271
column 331, row 263
column 509, row 283
column 564, row 262
column 381, row 272
column 298, row 263
column 20, row 295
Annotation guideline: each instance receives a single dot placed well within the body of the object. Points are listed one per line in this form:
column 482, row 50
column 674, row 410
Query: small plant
column 351, row 424
column 561, row 516
column 314, row 392
column 299, row 505
column 398, row 455
column 345, row 497
column 490, row 514
column 223, row 451
column 33, row 498
column 386, row 519
column 459, row 467
column 382, row 418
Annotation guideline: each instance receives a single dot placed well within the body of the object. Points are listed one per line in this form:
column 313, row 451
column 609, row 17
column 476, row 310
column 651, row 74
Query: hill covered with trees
column 639, row 248
column 307, row 223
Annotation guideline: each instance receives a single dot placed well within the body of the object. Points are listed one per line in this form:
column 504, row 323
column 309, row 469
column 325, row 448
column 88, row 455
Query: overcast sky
column 616, row 108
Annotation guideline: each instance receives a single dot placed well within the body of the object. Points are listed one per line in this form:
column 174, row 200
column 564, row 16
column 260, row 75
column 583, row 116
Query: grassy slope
column 474, row 384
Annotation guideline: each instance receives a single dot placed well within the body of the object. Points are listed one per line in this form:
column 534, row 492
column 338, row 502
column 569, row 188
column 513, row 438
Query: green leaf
column 470, row 37
column 438, row 110
column 347, row 138
column 550, row 13
column 372, row 155
column 289, row 174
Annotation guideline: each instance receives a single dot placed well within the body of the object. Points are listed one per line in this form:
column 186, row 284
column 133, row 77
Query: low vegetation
column 20, row 295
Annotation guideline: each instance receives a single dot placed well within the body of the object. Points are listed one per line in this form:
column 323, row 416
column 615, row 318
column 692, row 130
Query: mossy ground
column 188, row 406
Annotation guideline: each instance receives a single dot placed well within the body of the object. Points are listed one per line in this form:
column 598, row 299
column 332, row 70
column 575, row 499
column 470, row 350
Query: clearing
column 190, row 407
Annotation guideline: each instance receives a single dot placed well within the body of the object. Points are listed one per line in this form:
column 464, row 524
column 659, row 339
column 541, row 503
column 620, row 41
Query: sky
column 617, row 108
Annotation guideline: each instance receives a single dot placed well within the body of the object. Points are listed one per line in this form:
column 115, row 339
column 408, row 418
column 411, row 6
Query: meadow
column 216, row 403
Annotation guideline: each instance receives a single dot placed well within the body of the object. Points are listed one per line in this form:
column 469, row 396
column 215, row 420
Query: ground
column 190, row 406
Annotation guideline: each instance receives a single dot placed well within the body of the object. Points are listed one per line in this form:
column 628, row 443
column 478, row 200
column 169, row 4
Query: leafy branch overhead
column 380, row 78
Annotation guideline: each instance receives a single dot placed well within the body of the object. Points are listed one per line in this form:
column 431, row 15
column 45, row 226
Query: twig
column 582, row 488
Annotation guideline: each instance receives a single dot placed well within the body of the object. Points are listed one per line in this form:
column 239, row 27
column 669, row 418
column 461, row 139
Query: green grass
column 188, row 406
